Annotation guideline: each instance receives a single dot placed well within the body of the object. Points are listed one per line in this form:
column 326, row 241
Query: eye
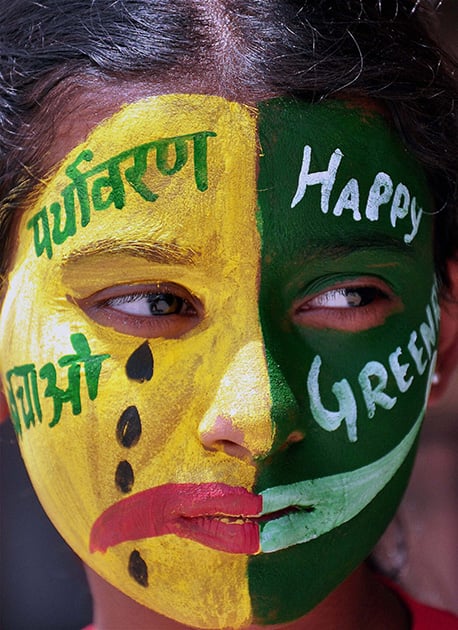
column 150, row 304
column 348, row 297
column 159, row 310
column 352, row 306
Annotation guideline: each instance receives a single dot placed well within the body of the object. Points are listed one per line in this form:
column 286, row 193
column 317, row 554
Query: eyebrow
column 155, row 252
column 173, row 254
column 342, row 247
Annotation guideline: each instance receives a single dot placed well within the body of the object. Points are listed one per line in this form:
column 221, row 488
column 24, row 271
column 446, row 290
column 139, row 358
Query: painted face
column 216, row 344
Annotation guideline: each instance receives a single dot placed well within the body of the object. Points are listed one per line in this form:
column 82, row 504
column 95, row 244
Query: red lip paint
column 214, row 514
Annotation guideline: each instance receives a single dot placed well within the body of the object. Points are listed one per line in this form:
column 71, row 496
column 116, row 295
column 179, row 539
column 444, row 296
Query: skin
column 225, row 438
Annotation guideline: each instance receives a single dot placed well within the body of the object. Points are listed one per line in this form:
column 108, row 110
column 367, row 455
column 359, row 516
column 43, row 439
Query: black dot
column 129, row 427
column 138, row 569
column 124, row 476
column 140, row 364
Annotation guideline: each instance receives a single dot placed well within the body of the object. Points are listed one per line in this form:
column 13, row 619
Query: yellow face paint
column 157, row 200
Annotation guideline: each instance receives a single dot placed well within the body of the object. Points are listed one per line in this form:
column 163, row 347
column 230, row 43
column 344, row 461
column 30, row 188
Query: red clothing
column 423, row 617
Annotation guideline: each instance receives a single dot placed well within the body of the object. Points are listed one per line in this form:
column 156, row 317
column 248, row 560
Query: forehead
column 86, row 103
column 337, row 171
column 82, row 105
column 340, row 157
column 169, row 169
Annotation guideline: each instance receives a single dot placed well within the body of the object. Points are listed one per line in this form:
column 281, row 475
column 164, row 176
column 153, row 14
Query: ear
column 4, row 411
column 447, row 356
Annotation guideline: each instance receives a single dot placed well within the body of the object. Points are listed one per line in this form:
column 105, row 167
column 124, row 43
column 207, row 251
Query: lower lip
column 216, row 532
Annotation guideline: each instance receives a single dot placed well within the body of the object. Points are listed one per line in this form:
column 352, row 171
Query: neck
column 360, row 602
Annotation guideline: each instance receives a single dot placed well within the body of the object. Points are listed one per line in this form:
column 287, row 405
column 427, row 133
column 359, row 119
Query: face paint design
column 215, row 381
column 140, row 364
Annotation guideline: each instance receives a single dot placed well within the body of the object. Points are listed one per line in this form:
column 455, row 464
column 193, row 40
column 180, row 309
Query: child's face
column 217, row 342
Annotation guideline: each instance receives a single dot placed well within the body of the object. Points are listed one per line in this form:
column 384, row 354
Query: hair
column 313, row 49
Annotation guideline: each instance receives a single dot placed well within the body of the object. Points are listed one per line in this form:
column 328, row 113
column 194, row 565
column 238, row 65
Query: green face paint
column 341, row 208
column 328, row 502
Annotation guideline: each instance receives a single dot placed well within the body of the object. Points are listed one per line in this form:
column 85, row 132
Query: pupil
column 362, row 296
column 164, row 304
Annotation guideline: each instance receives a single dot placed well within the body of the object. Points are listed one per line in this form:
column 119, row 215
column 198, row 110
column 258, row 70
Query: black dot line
column 124, row 477
column 129, row 427
column 140, row 364
column 138, row 569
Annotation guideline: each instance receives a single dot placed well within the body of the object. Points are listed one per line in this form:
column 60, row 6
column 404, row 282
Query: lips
column 217, row 515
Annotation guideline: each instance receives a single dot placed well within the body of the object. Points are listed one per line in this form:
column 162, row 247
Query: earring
column 436, row 378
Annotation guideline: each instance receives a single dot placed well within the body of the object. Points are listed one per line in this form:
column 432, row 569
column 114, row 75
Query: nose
column 240, row 419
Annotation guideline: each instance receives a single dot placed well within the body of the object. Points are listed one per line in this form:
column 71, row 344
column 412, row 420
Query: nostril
column 221, row 431
column 293, row 438
column 225, row 436
column 232, row 449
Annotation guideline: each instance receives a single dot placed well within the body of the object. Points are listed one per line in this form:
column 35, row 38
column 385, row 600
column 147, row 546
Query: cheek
column 137, row 431
column 143, row 401
column 350, row 512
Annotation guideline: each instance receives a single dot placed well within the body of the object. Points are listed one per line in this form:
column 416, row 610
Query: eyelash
column 150, row 295
column 377, row 303
column 347, row 292
column 110, row 307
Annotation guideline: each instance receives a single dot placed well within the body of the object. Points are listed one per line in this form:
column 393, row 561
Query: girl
column 228, row 232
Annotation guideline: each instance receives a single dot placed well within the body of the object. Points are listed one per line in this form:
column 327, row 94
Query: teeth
column 243, row 520
column 229, row 520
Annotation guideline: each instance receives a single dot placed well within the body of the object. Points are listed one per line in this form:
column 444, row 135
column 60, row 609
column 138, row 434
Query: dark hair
column 310, row 48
